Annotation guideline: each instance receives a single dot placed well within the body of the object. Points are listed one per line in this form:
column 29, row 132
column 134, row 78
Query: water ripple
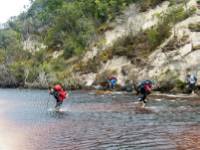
column 95, row 122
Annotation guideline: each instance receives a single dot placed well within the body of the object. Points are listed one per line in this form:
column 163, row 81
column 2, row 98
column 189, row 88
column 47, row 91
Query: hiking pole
column 69, row 93
column 48, row 102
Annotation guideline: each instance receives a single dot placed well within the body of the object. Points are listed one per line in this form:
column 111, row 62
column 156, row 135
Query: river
column 97, row 122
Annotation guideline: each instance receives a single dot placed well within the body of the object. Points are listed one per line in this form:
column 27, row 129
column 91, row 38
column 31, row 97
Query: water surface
column 97, row 122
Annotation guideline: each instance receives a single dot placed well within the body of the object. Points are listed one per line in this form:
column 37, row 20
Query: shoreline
column 154, row 94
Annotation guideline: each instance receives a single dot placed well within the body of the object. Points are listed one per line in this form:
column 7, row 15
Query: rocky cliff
column 170, row 61
column 54, row 42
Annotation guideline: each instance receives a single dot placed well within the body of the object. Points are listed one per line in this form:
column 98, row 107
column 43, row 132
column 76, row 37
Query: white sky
column 9, row 8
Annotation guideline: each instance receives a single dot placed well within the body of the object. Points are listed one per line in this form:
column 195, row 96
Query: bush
column 142, row 44
column 40, row 56
column 147, row 41
column 87, row 67
column 71, row 25
column 156, row 35
column 105, row 55
column 68, row 51
column 177, row 14
column 68, row 79
column 104, row 27
column 17, row 69
column 145, row 5
column 2, row 56
column 195, row 27
column 167, row 81
column 175, row 43
column 104, row 75
column 58, row 64
column 180, row 85
column 32, row 76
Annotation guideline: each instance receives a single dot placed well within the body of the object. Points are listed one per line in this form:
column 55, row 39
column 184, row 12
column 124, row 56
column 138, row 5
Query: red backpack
column 148, row 87
column 62, row 95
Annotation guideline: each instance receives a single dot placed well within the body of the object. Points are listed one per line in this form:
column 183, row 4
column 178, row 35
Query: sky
column 9, row 8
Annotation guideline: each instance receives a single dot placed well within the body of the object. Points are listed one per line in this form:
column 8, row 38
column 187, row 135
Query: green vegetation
column 175, row 43
column 72, row 24
column 195, row 27
column 180, row 85
column 146, row 41
column 86, row 67
column 70, row 27
column 149, row 4
column 169, row 81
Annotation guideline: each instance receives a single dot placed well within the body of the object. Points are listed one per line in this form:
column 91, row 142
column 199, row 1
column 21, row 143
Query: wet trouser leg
column 191, row 87
column 58, row 103
column 143, row 95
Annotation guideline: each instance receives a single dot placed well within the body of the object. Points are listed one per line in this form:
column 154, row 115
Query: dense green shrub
column 70, row 25
column 17, row 69
column 58, row 64
column 145, row 5
column 180, row 85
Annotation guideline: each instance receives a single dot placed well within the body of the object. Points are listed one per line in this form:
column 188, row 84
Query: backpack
column 192, row 79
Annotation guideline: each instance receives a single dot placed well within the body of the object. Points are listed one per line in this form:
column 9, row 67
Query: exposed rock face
column 117, row 65
column 131, row 21
column 177, row 54
column 88, row 79
column 178, row 60
column 134, row 22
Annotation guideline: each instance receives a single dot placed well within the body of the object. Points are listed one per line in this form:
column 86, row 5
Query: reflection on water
column 10, row 137
column 90, row 121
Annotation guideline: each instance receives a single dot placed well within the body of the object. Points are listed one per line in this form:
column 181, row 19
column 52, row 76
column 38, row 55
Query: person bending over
column 144, row 89
column 59, row 94
column 191, row 81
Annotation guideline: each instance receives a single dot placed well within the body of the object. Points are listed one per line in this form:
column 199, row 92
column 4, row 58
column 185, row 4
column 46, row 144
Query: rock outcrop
column 176, row 56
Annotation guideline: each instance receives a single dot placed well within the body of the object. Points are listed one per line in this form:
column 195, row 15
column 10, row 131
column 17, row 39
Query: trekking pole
column 48, row 102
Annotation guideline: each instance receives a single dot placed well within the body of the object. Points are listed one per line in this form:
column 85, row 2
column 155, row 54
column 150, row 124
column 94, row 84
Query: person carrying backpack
column 112, row 81
column 191, row 81
column 144, row 89
column 59, row 94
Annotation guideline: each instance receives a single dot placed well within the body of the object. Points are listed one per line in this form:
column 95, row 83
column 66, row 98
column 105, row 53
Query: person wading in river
column 191, row 81
column 144, row 89
column 59, row 94
column 112, row 81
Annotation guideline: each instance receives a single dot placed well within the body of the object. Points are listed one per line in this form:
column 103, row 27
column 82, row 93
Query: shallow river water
column 97, row 122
